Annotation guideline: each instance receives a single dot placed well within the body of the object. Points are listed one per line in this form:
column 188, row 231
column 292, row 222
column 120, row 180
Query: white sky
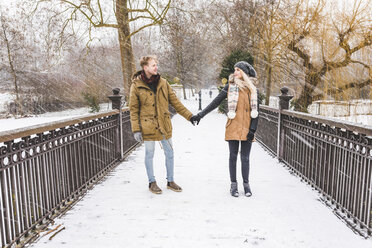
column 343, row 5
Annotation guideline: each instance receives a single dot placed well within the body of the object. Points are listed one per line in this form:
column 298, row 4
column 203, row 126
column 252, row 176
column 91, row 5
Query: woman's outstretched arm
column 215, row 103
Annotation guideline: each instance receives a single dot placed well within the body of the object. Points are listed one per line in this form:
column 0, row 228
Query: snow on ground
column 361, row 119
column 122, row 212
column 14, row 123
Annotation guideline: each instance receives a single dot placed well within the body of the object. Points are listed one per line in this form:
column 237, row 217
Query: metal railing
column 267, row 132
column 43, row 168
column 333, row 156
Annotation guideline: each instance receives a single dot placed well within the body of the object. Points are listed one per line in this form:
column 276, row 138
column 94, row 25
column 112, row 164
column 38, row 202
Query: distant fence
column 341, row 108
column 44, row 168
column 333, row 156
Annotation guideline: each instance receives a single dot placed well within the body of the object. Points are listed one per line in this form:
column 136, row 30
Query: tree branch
column 141, row 28
column 359, row 62
column 366, row 42
column 358, row 85
column 158, row 20
column 89, row 18
column 100, row 11
column 348, row 52
column 138, row 10
column 139, row 17
column 292, row 46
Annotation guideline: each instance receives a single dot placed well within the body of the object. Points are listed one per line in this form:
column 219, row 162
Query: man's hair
column 145, row 60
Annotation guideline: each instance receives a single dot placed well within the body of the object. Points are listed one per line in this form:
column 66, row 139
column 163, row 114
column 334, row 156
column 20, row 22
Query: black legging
column 245, row 150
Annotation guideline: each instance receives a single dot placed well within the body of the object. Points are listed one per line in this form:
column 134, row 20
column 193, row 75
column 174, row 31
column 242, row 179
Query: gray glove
column 195, row 119
column 138, row 136
column 250, row 136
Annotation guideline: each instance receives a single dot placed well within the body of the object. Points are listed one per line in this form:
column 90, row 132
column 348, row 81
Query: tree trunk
column 269, row 75
column 16, row 91
column 184, row 91
column 182, row 81
column 125, row 43
column 306, row 98
column 179, row 73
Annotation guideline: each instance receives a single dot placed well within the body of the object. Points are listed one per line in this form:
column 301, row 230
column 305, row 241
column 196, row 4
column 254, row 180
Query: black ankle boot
column 247, row 190
column 234, row 189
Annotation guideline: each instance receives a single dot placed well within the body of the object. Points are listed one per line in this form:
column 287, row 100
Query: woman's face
column 238, row 73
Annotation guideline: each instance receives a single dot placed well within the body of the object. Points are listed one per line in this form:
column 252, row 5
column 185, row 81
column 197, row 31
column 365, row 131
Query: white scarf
column 232, row 100
column 233, row 94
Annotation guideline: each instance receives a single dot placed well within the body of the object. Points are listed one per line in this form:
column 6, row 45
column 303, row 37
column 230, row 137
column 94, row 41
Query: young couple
column 150, row 96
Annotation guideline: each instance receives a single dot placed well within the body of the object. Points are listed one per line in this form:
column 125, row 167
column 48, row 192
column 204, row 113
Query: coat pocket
column 167, row 123
column 164, row 94
column 148, row 125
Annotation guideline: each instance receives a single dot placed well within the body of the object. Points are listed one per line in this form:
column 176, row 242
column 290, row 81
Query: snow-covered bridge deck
column 121, row 212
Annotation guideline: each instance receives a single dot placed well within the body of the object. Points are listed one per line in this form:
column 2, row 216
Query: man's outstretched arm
column 177, row 105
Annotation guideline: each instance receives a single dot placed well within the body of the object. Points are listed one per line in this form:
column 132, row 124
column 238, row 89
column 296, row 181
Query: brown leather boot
column 173, row 186
column 153, row 187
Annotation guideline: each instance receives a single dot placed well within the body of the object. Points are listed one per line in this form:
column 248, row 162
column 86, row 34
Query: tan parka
column 238, row 128
column 149, row 112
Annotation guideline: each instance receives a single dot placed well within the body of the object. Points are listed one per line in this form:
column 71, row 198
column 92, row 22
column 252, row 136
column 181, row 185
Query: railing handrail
column 333, row 122
column 9, row 135
column 269, row 108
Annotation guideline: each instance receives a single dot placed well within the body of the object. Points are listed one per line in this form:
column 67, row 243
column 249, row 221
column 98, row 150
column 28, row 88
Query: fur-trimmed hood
column 137, row 75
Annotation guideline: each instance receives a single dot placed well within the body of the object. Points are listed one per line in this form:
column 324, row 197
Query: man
column 150, row 96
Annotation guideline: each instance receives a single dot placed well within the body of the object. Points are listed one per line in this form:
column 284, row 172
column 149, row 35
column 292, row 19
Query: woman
column 241, row 125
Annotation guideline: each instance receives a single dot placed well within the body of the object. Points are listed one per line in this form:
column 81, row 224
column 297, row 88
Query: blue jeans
column 169, row 159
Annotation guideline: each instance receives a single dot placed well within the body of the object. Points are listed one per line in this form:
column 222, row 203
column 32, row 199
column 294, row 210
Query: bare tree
column 327, row 45
column 92, row 67
column 268, row 27
column 127, row 12
column 296, row 42
column 13, row 39
column 253, row 26
column 187, row 52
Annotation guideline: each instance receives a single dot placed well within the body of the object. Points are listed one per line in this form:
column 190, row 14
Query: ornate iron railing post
column 284, row 99
column 116, row 104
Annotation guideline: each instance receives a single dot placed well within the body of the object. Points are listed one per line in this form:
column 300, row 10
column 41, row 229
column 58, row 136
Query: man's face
column 151, row 68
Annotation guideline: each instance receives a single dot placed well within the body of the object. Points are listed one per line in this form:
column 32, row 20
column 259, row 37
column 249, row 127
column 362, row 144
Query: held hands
column 195, row 119
column 138, row 136
column 250, row 136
